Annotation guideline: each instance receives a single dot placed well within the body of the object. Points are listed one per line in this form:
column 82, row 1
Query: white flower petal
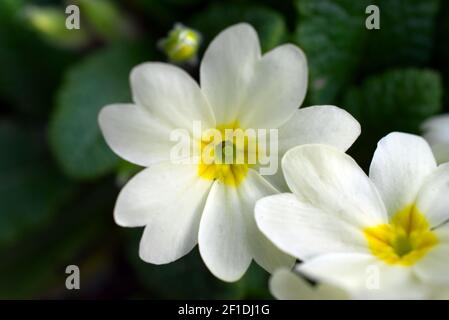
column 222, row 236
column 253, row 188
column 328, row 179
column 440, row 293
column 441, row 152
column 276, row 90
column 226, row 69
column 134, row 135
column 363, row 275
column 347, row 270
column 277, row 180
column 170, row 94
column 169, row 200
column 436, row 132
column 399, row 167
column 433, row 268
column 304, row 231
column 314, row 125
column 286, row 285
column 433, row 197
column 319, row 125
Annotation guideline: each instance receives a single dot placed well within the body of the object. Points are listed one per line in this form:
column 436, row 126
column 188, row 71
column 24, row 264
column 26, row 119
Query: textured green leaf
column 397, row 100
column 31, row 190
column 74, row 134
column 406, row 35
column 332, row 33
column 340, row 48
column 269, row 24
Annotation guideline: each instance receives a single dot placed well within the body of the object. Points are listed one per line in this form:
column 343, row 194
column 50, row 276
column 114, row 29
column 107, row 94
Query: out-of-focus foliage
column 50, row 23
column 332, row 34
column 75, row 138
column 269, row 24
column 396, row 100
column 188, row 278
column 60, row 180
column 32, row 189
column 30, row 68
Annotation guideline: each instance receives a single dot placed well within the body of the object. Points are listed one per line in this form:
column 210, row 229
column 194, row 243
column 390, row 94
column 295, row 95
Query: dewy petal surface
column 222, row 236
column 433, row 197
column 171, row 95
column 305, row 231
column 328, row 125
column 400, row 165
column 276, row 90
column 227, row 68
column 329, row 179
column 169, row 200
column 134, row 135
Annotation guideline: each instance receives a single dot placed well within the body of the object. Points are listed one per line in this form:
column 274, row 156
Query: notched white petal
column 328, row 125
column 399, row 167
column 327, row 178
column 277, row 88
column 226, row 69
column 134, row 135
column 222, row 235
column 170, row 94
column 168, row 199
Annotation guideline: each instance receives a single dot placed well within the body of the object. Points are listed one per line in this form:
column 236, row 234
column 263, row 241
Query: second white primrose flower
column 436, row 132
column 182, row 204
column 386, row 236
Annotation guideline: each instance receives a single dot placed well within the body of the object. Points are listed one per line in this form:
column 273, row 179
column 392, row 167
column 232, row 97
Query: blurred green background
column 58, row 179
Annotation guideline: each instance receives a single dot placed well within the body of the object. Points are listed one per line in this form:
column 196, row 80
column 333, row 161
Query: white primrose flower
column 285, row 284
column 436, row 132
column 182, row 203
column 288, row 284
column 384, row 236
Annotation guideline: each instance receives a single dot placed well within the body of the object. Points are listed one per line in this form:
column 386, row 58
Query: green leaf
column 188, row 277
column 35, row 266
column 332, row 34
column 442, row 49
column 31, row 191
column 106, row 19
column 30, row 69
column 397, row 100
column 406, row 35
column 340, row 48
column 269, row 24
column 50, row 23
column 74, row 134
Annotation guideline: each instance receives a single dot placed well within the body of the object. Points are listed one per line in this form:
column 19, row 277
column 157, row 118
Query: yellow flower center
column 405, row 240
column 227, row 152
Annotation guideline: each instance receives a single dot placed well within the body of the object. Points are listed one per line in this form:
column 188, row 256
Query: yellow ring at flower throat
column 233, row 172
column 403, row 241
